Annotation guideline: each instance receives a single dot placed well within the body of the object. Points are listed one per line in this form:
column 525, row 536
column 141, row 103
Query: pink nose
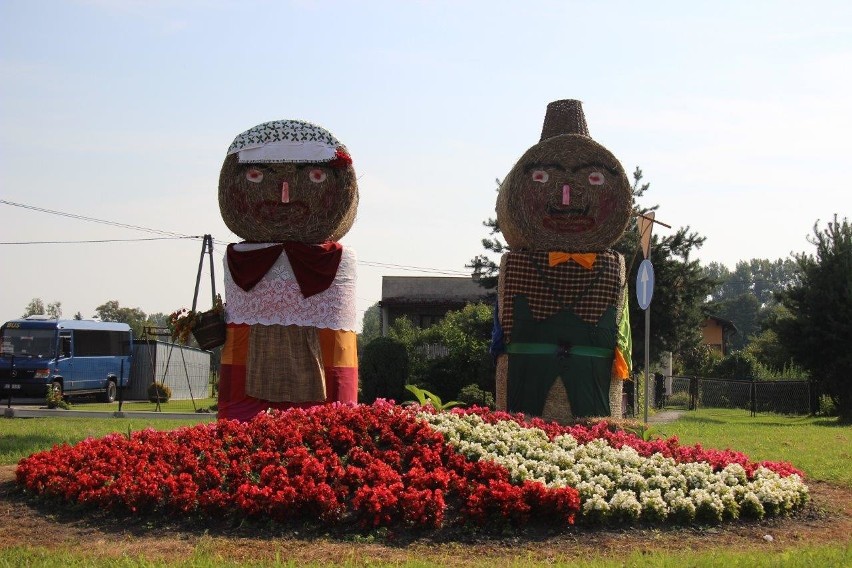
column 285, row 192
column 566, row 194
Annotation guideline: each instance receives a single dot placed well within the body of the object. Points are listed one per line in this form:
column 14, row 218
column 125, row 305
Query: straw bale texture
column 317, row 211
column 564, row 117
column 532, row 213
column 556, row 405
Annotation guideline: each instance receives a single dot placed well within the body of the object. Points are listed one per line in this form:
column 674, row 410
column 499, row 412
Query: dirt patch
column 25, row 522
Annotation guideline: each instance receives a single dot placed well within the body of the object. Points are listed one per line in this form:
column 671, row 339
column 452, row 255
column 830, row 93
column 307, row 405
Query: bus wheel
column 109, row 394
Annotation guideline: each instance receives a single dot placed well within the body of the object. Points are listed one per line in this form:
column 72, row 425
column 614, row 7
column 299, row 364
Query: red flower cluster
column 669, row 447
column 372, row 465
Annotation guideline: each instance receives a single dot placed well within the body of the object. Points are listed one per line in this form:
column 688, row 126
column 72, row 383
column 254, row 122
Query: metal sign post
column 644, row 293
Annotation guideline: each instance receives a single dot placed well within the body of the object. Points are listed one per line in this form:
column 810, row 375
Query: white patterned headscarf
column 280, row 141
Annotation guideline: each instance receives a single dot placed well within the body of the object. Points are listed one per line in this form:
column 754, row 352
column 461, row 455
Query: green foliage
column 425, row 397
column 680, row 290
column 158, row 392
column 371, row 327
column 698, row 361
column 37, row 307
column 484, row 268
column 112, row 311
column 54, row 399
column 472, row 395
column 740, row 365
column 452, row 353
column 817, row 333
column 383, row 370
column 748, row 295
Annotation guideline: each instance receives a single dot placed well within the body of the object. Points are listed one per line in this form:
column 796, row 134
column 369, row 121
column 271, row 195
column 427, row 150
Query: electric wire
column 173, row 235
column 97, row 241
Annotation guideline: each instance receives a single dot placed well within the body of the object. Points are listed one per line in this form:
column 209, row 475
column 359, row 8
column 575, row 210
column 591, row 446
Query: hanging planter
column 208, row 328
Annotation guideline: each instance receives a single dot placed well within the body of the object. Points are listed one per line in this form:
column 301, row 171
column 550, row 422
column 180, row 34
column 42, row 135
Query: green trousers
column 560, row 346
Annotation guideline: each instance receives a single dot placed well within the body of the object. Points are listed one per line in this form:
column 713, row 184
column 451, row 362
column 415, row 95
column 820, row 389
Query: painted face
column 279, row 202
column 565, row 193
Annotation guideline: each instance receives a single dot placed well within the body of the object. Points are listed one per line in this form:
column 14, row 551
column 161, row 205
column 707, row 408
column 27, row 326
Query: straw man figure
column 288, row 188
column 562, row 333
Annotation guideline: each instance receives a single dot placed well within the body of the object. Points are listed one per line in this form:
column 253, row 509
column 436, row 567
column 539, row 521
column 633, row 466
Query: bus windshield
column 28, row 342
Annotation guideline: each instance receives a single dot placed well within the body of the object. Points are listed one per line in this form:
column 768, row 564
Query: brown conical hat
column 564, row 117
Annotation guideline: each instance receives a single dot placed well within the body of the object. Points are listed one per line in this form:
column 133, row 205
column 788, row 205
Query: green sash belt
column 553, row 349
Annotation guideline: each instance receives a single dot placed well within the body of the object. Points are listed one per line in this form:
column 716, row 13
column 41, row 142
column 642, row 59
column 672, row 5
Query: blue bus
column 70, row 356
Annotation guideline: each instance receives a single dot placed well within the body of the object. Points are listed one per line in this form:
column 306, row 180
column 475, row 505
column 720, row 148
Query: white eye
column 317, row 175
column 254, row 175
column 540, row 176
column 596, row 178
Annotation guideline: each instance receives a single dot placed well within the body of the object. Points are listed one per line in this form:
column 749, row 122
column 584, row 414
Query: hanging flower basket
column 209, row 329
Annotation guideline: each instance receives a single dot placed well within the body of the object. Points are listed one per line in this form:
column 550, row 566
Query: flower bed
column 385, row 465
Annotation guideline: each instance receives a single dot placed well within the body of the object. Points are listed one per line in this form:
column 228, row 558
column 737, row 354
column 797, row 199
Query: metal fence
column 691, row 393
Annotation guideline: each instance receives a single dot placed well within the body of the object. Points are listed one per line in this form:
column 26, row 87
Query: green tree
column 678, row 307
column 34, row 308
column 818, row 332
column 371, row 327
column 134, row 317
column 484, row 267
column 748, row 293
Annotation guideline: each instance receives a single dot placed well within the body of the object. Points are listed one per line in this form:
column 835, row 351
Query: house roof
column 431, row 289
column 724, row 324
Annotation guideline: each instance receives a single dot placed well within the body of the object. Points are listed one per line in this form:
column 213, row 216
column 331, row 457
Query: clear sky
column 738, row 113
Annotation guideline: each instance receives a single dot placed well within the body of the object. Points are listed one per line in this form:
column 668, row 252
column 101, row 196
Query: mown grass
column 805, row 557
column 818, row 446
column 146, row 406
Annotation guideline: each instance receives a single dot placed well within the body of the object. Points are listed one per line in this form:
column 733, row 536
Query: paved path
column 664, row 416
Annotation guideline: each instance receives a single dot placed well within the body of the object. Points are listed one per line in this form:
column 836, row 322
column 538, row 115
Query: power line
column 449, row 271
column 94, row 220
column 97, row 241
column 173, row 235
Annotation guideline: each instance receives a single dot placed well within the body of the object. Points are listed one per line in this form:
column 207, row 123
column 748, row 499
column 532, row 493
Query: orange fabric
column 339, row 348
column 235, row 350
column 584, row 259
column 620, row 369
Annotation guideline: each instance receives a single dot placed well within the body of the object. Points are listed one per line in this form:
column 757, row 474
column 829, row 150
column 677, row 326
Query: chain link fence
column 691, row 393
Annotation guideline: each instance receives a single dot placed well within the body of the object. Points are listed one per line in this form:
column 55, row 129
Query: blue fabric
column 498, row 345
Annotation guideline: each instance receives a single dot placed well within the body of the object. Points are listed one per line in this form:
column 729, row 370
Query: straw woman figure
column 288, row 188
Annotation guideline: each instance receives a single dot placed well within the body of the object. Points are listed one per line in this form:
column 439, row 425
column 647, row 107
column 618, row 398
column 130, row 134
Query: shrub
column 472, row 395
column 383, row 370
column 740, row 365
column 158, row 392
column 54, row 399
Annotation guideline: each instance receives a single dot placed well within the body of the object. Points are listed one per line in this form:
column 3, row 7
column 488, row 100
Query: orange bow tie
column 584, row 259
